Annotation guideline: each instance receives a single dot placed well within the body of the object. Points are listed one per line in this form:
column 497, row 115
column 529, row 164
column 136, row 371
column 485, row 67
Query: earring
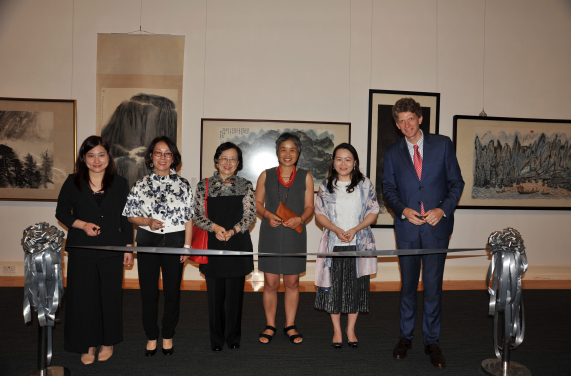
column 152, row 165
column 355, row 167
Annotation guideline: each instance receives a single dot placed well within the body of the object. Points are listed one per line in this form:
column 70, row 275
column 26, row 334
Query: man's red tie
column 418, row 168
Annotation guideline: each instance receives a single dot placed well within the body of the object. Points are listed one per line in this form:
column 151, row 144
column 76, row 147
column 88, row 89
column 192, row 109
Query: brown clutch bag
column 286, row 213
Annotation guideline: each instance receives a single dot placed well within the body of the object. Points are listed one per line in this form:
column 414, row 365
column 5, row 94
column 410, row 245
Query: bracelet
column 233, row 231
column 186, row 246
column 302, row 221
column 264, row 213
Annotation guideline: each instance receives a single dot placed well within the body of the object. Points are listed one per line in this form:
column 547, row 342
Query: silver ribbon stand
column 508, row 264
column 43, row 289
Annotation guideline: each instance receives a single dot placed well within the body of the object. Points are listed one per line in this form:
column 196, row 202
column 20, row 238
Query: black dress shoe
column 436, row 357
column 216, row 348
column 337, row 345
column 150, row 352
column 234, row 346
column 402, row 346
column 353, row 345
column 168, row 351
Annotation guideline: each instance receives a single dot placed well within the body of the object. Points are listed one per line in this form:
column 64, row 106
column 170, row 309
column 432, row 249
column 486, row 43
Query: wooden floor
column 310, row 286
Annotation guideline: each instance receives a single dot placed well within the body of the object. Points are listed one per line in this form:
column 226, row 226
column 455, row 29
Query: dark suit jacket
column 73, row 204
column 440, row 186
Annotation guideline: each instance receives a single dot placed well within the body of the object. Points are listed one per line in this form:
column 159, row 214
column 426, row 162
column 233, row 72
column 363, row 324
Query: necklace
column 291, row 178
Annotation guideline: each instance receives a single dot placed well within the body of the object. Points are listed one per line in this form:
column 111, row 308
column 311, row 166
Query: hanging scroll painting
column 383, row 132
column 139, row 95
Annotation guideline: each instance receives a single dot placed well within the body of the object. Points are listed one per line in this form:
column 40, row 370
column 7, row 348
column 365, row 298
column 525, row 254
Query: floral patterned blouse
column 232, row 186
column 166, row 198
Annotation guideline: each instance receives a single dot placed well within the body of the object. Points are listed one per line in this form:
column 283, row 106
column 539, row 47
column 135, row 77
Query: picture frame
column 38, row 143
column 528, row 168
column 383, row 132
column 256, row 138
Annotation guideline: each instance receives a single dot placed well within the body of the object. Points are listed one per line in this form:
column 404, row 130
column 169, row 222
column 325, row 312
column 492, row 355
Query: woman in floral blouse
column 231, row 211
column 161, row 204
column 346, row 205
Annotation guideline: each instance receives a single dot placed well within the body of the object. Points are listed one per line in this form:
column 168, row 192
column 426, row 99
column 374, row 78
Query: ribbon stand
column 43, row 289
column 509, row 262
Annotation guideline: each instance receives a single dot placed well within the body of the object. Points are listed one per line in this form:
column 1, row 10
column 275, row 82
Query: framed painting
column 37, row 147
column 383, row 132
column 514, row 163
column 256, row 139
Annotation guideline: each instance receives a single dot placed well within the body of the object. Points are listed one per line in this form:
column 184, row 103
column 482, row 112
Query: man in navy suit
column 422, row 184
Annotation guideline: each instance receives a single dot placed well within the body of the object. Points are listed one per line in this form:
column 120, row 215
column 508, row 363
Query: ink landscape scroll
column 518, row 165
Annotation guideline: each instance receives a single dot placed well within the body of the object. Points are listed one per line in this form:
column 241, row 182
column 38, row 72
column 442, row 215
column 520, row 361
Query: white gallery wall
column 314, row 60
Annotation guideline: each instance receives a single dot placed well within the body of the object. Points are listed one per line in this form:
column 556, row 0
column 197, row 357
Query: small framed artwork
column 37, row 147
column 256, row 139
column 514, row 163
column 383, row 132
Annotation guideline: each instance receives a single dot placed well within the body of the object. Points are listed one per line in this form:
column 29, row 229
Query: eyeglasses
column 166, row 154
column 228, row 160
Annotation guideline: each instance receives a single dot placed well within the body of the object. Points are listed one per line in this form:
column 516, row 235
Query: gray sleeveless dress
column 282, row 239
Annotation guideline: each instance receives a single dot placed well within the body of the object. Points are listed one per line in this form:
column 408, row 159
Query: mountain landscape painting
column 27, row 150
column 511, row 165
column 132, row 126
column 259, row 149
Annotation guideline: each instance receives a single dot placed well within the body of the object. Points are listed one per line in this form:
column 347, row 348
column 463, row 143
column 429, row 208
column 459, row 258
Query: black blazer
column 116, row 230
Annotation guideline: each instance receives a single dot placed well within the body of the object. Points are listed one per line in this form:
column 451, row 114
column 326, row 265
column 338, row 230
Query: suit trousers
column 149, row 267
column 225, row 298
column 93, row 302
column 432, row 275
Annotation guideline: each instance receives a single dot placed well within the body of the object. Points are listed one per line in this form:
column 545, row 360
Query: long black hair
column 356, row 174
column 81, row 170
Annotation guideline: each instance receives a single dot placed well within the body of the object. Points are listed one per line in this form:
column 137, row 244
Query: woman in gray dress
column 293, row 187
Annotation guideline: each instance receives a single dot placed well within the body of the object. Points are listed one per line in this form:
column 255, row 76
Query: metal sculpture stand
column 510, row 262
column 44, row 334
column 43, row 289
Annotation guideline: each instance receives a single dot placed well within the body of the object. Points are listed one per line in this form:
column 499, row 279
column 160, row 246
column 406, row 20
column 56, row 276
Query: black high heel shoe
column 168, row 351
column 150, row 352
column 337, row 345
column 353, row 345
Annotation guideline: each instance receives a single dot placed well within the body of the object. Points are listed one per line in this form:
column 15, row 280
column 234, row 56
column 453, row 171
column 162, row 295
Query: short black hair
column 227, row 146
column 176, row 158
column 286, row 137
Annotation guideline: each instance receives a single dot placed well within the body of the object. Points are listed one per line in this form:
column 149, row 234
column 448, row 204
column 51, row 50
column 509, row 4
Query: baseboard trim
column 305, row 286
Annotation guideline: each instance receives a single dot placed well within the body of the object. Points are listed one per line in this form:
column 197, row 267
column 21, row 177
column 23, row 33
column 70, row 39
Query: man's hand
column 434, row 216
column 413, row 217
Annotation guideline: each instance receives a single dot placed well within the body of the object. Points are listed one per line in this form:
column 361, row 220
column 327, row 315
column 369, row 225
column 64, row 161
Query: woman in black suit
column 90, row 204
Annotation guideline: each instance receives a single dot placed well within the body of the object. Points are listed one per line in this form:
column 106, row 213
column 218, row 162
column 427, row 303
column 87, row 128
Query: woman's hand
column 128, row 257
column 183, row 258
column 154, row 224
column 349, row 235
column 91, row 229
column 273, row 219
column 340, row 234
column 219, row 231
column 292, row 222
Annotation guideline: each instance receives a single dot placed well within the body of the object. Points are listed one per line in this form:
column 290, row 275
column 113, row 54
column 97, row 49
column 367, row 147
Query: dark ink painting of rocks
column 259, row 150
column 26, row 150
column 132, row 127
column 509, row 165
